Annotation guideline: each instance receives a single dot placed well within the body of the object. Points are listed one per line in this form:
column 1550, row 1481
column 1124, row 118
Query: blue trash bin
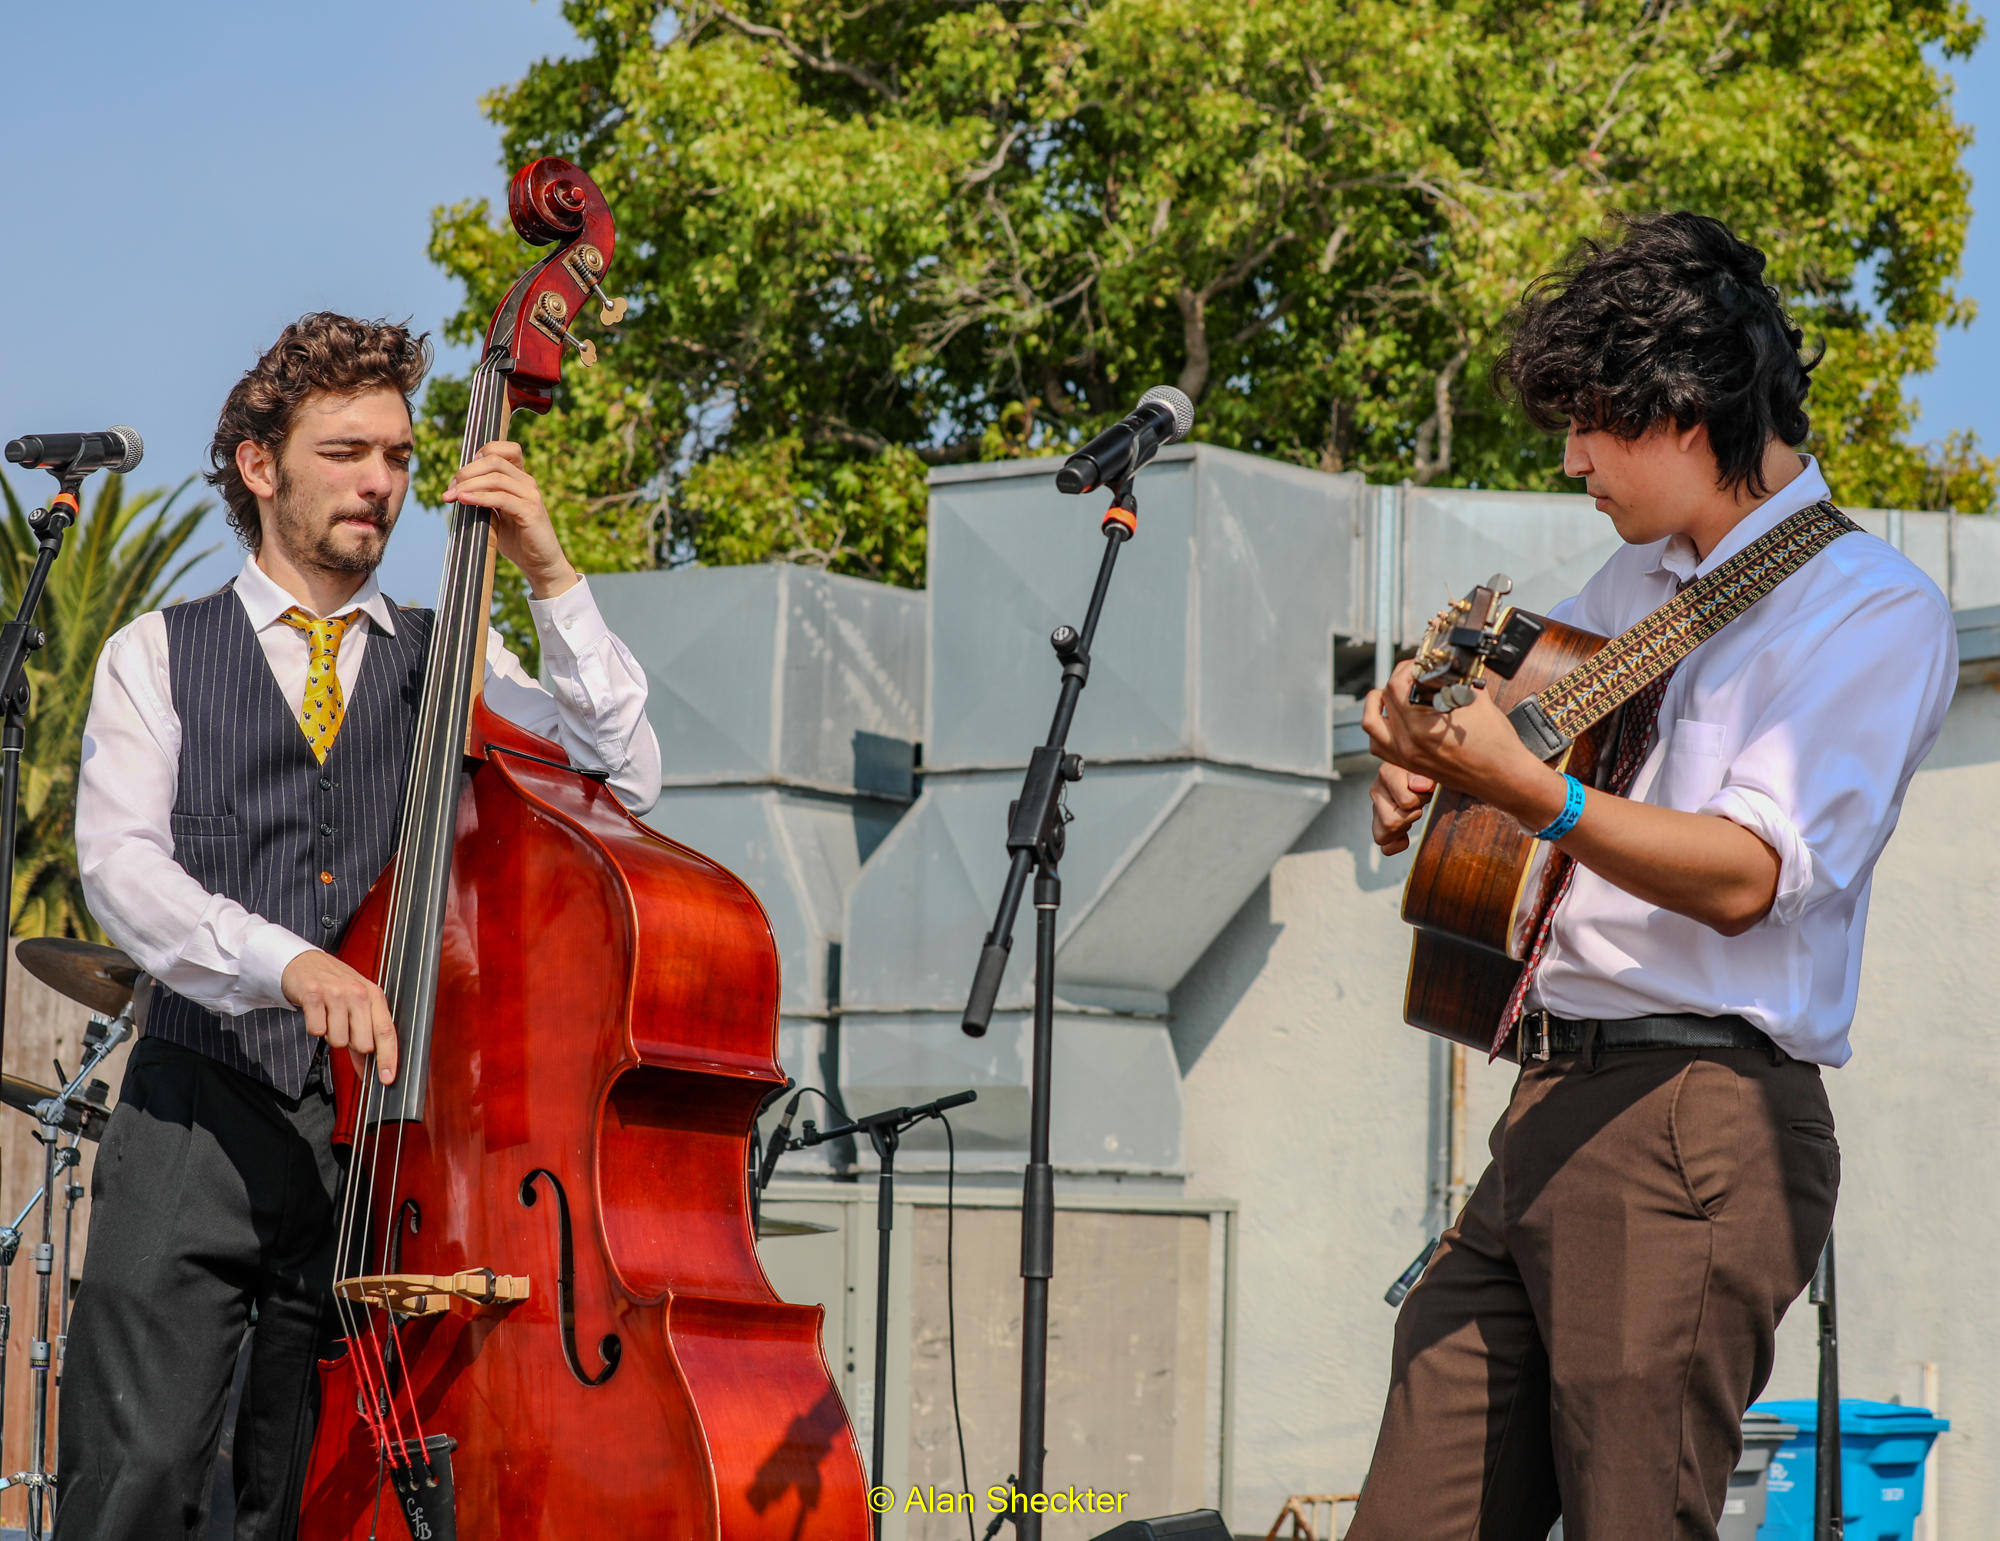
column 1883, row 1448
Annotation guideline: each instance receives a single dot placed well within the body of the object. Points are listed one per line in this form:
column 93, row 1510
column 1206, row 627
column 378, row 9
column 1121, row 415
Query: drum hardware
column 87, row 1117
column 10, row 1244
column 76, row 1110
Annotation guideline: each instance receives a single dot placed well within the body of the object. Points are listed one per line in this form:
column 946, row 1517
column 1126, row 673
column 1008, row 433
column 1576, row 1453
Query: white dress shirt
column 208, row 947
column 1803, row 721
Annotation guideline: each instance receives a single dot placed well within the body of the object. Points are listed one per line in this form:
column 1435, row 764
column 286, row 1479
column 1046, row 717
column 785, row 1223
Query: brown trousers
column 1587, row 1337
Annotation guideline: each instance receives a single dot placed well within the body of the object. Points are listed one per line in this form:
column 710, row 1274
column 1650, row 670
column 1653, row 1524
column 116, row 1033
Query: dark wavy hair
column 321, row 354
column 1674, row 324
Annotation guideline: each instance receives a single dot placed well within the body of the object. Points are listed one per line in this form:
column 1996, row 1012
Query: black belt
column 1541, row 1035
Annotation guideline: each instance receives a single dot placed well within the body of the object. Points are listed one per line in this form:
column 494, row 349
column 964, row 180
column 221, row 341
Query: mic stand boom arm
column 1035, row 839
column 1034, row 827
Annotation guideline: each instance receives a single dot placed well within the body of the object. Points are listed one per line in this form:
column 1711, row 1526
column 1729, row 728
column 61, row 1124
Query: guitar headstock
column 1469, row 638
column 552, row 201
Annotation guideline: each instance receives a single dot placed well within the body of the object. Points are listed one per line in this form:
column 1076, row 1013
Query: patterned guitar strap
column 1633, row 670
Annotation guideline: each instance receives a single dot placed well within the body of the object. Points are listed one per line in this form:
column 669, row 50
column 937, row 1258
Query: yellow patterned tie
column 320, row 715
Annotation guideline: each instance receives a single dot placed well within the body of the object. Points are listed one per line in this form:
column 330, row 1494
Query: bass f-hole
column 609, row 1348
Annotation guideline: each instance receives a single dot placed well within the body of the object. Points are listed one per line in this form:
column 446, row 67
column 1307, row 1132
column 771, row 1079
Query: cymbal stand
column 57, row 1160
column 72, row 1196
column 55, row 1115
column 10, row 1244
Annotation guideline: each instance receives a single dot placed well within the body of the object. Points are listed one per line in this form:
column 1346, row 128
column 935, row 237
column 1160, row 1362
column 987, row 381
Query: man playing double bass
column 242, row 783
column 1590, row 1331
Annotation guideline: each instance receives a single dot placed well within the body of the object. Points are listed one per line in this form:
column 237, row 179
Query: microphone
column 1164, row 416
column 780, row 1137
column 117, row 449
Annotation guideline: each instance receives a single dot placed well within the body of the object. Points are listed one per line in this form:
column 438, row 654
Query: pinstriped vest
column 259, row 820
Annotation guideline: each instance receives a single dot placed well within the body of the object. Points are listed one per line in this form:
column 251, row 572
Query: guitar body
column 1479, row 884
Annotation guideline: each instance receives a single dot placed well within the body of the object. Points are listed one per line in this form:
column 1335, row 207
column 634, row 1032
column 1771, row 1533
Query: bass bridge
column 425, row 1294
column 1468, row 639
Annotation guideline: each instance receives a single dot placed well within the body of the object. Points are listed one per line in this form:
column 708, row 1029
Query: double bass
column 552, row 1318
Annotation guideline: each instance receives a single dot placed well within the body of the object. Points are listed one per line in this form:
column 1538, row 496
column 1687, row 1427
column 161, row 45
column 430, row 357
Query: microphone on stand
column 117, row 449
column 780, row 1137
column 1164, row 416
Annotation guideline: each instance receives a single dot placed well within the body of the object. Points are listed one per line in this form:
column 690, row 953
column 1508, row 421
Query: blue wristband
column 1565, row 821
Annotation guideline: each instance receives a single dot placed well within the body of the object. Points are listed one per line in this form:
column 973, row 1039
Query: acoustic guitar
column 1479, row 883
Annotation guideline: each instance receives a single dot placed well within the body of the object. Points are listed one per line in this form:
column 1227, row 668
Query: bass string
column 488, row 388
column 416, row 888
column 456, row 651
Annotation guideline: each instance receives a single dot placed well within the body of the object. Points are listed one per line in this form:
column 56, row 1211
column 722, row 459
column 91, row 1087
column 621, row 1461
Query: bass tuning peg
column 586, row 265
column 551, row 318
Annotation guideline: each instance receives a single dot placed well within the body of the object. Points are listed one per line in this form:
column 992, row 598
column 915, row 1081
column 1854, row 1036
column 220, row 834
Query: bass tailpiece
column 424, row 1489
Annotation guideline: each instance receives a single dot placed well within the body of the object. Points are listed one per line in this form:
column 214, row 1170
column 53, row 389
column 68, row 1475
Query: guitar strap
column 1551, row 720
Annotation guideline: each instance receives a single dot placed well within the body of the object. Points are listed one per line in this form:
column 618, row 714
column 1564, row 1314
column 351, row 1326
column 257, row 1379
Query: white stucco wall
column 1306, row 1099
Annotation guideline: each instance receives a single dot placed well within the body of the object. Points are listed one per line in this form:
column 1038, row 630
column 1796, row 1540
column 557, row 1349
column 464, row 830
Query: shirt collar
column 1802, row 491
column 263, row 601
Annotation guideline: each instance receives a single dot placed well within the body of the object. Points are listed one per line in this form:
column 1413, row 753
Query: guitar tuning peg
column 614, row 309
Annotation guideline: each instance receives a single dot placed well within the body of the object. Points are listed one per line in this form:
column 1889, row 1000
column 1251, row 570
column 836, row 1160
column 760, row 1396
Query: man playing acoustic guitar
column 1590, row 1331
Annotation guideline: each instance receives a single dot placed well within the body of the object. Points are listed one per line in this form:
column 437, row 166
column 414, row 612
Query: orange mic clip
column 67, row 500
column 1116, row 514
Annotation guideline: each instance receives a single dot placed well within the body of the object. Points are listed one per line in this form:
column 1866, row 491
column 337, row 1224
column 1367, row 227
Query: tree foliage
column 121, row 560
column 865, row 235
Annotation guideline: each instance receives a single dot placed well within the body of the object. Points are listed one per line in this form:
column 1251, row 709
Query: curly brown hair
column 324, row 353
column 1676, row 323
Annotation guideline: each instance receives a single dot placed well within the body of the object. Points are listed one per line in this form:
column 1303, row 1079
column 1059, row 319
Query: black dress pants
column 212, row 1193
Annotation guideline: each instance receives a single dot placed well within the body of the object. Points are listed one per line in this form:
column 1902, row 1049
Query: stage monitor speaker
column 1195, row 1525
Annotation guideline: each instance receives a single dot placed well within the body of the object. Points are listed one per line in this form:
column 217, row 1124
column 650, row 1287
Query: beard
column 310, row 540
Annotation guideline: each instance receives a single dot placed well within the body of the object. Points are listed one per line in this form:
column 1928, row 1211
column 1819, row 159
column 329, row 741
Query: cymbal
column 771, row 1225
column 102, row 978
column 19, row 1092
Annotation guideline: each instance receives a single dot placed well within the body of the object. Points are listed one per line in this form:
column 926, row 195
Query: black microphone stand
column 1829, row 1521
column 18, row 638
column 885, row 1131
column 1035, row 838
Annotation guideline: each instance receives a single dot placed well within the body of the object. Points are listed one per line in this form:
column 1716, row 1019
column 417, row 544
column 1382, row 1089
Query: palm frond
column 122, row 558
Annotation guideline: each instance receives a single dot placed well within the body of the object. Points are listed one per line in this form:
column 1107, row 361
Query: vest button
column 325, row 785
column 326, row 877
column 326, row 829
column 327, row 921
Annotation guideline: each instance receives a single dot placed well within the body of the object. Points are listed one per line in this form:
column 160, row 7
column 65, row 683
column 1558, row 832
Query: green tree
column 119, row 561
column 863, row 236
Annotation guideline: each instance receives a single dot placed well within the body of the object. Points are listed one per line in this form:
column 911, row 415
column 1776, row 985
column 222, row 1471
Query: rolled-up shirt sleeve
column 1820, row 776
column 594, row 704
column 201, row 945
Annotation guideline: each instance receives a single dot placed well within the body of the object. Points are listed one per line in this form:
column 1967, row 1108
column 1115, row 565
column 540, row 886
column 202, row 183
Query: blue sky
column 184, row 179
